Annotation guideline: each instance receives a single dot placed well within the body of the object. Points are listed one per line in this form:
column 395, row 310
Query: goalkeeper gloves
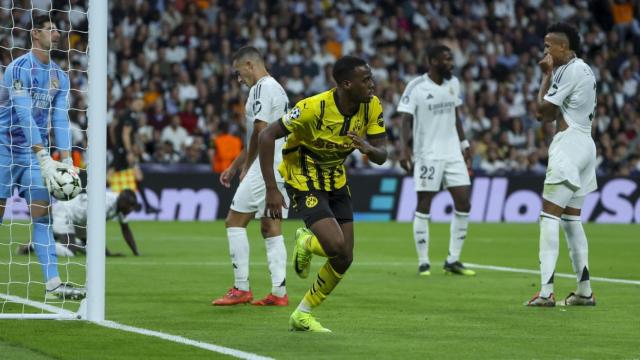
column 48, row 167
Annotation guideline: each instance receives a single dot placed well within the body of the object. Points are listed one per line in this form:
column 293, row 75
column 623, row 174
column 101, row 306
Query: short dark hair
column 435, row 51
column 247, row 51
column 343, row 68
column 569, row 31
column 129, row 197
column 39, row 21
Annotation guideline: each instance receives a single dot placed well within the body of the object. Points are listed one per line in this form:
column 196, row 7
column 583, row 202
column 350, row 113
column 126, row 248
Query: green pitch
column 382, row 309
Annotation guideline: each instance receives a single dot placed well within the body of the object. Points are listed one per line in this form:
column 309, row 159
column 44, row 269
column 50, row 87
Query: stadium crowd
column 174, row 55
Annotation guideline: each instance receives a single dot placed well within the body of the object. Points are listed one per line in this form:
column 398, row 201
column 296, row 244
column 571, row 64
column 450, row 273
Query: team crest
column 451, row 90
column 311, row 201
column 17, row 85
column 55, row 83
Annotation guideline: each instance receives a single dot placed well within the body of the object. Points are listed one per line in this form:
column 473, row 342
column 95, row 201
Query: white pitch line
column 182, row 340
column 66, row 314
column 536, row 272
column 381, row 264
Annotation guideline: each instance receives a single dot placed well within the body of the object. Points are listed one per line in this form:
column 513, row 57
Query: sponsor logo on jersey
column 311, row 201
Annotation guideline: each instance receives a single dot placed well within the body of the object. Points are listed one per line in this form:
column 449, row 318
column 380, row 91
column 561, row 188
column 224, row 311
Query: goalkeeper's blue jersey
column 30, row 93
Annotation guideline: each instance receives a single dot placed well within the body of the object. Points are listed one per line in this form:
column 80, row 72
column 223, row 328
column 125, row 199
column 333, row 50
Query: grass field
column 382, row 309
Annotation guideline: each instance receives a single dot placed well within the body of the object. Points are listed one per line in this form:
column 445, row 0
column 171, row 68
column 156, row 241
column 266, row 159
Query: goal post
column 96, row 171
column 22, row 289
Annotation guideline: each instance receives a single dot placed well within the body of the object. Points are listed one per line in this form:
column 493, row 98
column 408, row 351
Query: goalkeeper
column 33, row 88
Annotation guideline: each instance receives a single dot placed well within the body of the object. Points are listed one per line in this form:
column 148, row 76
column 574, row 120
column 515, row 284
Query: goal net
column 46, row 64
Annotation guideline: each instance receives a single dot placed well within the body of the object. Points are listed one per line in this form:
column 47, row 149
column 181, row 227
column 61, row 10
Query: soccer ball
column 66, row 185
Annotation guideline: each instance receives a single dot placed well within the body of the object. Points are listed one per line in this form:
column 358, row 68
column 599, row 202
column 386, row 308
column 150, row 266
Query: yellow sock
column 313, row 244
column 326, row 281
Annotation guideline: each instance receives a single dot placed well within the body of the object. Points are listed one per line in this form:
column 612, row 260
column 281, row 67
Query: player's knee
column 463, row 206
column 269, row 229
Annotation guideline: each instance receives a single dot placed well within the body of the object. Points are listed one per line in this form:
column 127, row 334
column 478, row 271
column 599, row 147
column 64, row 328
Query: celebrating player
column 322, row 131
column 439, row 154
column 267, row 103
column 34, row 87
column 568, row 85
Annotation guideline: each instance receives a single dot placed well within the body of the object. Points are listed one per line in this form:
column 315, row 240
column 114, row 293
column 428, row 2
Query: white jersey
column 67, row 215
column 75, row 210
column 433, row 108
column 573, row 90
column 267, row 102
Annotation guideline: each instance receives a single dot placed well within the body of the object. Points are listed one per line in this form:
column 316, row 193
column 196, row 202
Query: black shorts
column 316, row 205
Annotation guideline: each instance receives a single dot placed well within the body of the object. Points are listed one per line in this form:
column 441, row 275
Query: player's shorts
column 572, row 161
column 23, row 172
column 61, row 219
column 429, row 174
column 316, row 205
column 250, row 197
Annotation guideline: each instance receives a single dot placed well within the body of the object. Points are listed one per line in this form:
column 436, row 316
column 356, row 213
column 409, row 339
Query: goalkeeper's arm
column 60, row 120
column 128, row 237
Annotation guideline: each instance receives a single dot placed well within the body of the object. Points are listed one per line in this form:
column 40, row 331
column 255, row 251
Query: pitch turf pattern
column 382, row 309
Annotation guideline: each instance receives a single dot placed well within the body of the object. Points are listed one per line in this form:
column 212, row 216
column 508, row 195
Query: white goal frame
column 93, row 307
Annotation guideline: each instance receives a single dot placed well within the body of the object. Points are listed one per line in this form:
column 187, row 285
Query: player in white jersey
column 568, row 85
column 70, row 222
column 440, row 151
column 267, row 102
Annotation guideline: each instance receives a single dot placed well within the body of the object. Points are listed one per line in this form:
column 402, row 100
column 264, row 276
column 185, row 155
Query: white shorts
column 250, row 197
column 572, row 161
column 61, row 219
column 429, row 175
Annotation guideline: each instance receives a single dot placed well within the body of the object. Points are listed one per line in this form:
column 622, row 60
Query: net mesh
column 21, row 273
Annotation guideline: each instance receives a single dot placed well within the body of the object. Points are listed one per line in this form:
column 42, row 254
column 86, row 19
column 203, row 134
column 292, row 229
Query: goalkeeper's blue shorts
column 22, row 171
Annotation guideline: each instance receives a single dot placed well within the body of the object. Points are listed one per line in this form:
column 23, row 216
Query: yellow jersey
column 317, row 143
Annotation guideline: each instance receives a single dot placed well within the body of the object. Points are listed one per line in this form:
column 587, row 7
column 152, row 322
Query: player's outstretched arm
column 128, row 237
column 266, row 148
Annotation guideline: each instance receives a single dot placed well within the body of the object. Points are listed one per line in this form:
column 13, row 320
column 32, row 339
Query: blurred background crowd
column 172, row 86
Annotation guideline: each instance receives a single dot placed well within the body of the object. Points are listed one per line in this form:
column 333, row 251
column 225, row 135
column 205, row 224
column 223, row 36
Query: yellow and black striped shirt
column 317, row 143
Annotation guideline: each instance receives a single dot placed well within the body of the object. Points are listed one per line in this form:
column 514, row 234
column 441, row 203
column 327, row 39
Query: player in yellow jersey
column 322, row 131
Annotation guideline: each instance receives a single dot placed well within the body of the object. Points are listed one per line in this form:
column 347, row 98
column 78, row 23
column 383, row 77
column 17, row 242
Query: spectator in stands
column 226, row 147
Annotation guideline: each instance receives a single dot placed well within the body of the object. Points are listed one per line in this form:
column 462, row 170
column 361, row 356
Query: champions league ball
column 67, row 184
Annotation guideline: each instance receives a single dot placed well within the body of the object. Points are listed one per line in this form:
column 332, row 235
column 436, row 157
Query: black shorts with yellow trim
column 314, row 205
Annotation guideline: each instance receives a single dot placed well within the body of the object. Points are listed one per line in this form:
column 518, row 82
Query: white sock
column 277, row 259
column 458, row 230
column 421, row 236
column 239, row 251
column 549, row 242
column 304, row 307
column 578, row 251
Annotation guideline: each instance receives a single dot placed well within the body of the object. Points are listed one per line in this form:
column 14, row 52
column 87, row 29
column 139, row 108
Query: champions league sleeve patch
column 291, row 115
column 380, row 120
